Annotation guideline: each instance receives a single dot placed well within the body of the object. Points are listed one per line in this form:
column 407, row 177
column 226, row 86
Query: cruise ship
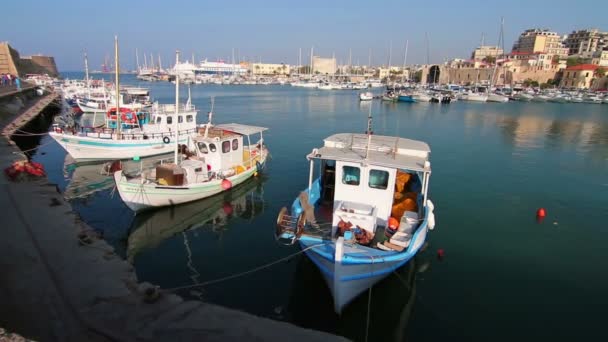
column 206, row 67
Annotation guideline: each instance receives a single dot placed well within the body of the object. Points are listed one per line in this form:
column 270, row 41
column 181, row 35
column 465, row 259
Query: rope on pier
column 240, row 274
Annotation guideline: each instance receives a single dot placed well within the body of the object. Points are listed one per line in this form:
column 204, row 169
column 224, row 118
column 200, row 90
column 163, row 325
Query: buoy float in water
column 541, row 212
column 440, row 253
column 226, row 184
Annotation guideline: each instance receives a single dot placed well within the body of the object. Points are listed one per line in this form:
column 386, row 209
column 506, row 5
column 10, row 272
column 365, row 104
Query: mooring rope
column 240, row 274
column 369, row 305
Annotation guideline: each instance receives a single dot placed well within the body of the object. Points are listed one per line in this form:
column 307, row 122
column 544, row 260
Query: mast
column 137, row 59
column 117, row 84
column 369, row 131
column 145, row 62
column 176, row 107
column 405, row 60
column 311, row 54
column 86, row 73
column 300, row 62
column 159, row 65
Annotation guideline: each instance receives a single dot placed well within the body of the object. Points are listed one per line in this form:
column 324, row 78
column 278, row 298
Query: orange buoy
column 541, row 212
column 226, row 184
column 393, row 223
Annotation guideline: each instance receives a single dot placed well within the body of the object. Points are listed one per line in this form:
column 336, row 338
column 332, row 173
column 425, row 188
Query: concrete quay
column 60, row 282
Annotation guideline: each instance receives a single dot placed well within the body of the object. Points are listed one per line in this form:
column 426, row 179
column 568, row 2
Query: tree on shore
column 573, row 61
column 489, row 59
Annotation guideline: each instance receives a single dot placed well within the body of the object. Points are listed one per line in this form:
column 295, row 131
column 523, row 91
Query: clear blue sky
column 274, row 30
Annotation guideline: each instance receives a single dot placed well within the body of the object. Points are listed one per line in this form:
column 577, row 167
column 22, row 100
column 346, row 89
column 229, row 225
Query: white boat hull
column 475, row 97
column 497, row 98
column 94, row 148
column 347, row 280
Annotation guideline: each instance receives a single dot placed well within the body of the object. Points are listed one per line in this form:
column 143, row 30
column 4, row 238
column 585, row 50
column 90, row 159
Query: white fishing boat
column 475, row 97
column 367, row 96
column 371, row 197
column 493, row 97
column 127, row 133
column 215, row 160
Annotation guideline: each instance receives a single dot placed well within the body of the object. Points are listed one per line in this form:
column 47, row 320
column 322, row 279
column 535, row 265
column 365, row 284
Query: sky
column 274, row 31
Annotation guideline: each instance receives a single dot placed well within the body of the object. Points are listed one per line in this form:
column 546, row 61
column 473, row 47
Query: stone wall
column 12, row 63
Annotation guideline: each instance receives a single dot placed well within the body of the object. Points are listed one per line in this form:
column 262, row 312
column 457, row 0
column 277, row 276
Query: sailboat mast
column 311, row 54
column 137, row 59
column 405, row 59
column 300, row 62
column 117, row 71
column 176, row 107
column 86, row 73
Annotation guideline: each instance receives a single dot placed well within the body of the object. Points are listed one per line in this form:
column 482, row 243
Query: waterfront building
column 324, row 66
column 586, row 41
column 580, row 76
column 540, row 40
column 270, row 69
column 484, row 51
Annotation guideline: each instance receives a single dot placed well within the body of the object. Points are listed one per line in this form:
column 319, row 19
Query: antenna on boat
column 176, row 107
column 369, row 131
column 117, row 71
column 189, row 103
column 210, row 117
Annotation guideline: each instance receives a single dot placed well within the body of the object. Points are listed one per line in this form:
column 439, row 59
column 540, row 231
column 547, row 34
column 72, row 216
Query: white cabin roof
column 388, row 151
column 241, row 129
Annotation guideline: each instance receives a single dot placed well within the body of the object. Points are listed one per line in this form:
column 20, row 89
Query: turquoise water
column 504, row 276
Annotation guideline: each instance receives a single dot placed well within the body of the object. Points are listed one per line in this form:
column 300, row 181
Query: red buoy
column 541, row 212
column 226, row 184
column 440, row 253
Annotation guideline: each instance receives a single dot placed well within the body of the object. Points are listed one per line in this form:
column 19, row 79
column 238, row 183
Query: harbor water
column 504, row 275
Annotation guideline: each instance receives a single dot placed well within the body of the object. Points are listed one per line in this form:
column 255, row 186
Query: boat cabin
column 227, row 149
column 368, row 181
column 163, row 116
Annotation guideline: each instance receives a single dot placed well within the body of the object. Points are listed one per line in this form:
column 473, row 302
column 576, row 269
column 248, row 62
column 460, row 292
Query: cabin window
column 351, row 175
column 226, row 146
column 212, row 148
column 235, row 144
column 159, row 120
column 169, row 120
column 378, row 179
column 203, row 147
column 189, row 118
column 180, row 119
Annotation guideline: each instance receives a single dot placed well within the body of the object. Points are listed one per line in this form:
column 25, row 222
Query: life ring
column 166, row 140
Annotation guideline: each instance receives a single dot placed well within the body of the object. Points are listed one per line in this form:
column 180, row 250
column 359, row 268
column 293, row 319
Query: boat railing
column 168, row 109
column 110, row 133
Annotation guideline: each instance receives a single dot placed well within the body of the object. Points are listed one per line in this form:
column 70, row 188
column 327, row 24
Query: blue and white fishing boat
column 371, row 201
column 406, row 98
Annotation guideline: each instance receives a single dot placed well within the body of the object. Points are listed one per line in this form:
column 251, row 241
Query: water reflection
column 150, row 229
column 390, row 308
column 527, row 127
column 88, row 178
